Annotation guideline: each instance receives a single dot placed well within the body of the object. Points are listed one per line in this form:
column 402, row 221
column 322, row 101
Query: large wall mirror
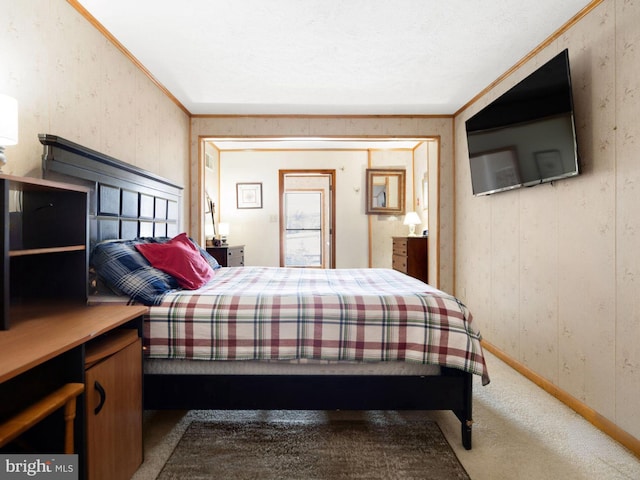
column 385, row 191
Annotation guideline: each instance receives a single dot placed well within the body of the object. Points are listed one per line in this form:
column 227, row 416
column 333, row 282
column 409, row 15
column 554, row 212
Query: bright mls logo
column 51, row 467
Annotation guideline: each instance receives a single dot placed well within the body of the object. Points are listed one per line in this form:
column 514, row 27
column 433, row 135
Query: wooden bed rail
column 27, row 418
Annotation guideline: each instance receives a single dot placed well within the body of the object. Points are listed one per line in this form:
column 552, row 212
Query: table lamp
column 412, row 219
column 223, row 230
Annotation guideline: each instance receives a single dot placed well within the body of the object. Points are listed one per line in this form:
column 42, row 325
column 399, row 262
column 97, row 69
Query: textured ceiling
column 329, row 56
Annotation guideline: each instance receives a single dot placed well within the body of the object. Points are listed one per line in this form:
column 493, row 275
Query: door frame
column 332, row 207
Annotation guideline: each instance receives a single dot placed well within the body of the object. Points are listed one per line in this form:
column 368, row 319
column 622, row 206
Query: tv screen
column 527, row 135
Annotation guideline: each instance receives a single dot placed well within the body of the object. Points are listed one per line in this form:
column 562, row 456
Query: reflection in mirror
column 385, row 191
column 380, row 187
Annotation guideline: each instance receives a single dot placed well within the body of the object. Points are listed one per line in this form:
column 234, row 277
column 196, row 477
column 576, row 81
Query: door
column 114, row 415
column 307, row 225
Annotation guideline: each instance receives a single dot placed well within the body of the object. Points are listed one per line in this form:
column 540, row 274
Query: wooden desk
column 48, row 346
column 40, row 333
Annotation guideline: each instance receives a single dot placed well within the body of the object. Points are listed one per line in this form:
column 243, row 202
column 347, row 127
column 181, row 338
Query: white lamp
column 223, row 230
column 8, row 125
column 412, row 219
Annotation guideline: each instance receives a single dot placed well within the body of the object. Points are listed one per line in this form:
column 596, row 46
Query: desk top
column 39, row 333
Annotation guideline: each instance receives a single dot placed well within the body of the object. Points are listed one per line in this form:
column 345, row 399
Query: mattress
column 283, row 367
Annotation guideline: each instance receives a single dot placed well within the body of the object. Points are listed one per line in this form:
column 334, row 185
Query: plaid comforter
column 267, row 313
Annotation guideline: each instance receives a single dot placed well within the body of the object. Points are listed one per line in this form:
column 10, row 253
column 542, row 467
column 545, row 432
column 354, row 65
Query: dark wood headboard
column 125, row 201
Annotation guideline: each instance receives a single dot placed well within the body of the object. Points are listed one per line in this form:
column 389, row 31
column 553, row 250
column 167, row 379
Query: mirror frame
column 400, row 173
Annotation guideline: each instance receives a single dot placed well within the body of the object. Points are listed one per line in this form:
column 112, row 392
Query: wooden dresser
column 227, row 255
column 410, row 256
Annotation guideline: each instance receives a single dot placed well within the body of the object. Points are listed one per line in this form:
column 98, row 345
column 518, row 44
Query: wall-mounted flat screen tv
column 526, row 136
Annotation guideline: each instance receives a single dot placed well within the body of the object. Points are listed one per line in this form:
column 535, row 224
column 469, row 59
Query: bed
column 268, row 337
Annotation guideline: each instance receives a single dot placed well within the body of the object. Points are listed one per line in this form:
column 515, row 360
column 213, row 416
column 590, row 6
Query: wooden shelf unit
column 43, row 242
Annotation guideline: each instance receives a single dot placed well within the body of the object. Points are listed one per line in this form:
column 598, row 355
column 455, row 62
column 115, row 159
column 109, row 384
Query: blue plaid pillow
column 127, row 272
column 207, row 256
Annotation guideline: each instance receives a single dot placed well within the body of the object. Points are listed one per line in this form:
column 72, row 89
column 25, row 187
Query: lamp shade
column 412, row 218
column 8, row 120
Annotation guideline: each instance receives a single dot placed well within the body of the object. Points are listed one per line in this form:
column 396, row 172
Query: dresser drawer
column 235, row 257
column 400, row 246
column 228, row 256
column 400, row 263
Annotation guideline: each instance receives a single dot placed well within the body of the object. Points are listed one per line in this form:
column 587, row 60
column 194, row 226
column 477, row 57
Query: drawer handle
column 103, row 397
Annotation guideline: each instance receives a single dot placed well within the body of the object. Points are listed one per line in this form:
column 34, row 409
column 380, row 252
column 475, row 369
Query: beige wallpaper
column 420, row 127
column 551, row 273
column 70, row 81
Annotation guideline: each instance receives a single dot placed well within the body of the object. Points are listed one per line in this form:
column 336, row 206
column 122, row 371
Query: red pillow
column 180, row 258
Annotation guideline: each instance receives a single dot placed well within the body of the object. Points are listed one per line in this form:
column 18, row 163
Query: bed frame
column 127, row 202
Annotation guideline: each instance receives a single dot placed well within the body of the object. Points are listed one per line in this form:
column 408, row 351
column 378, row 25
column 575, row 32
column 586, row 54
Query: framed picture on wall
column 249, row 195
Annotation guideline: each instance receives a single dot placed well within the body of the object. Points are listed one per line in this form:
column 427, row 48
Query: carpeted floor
column 520, row 433
column 314, row 447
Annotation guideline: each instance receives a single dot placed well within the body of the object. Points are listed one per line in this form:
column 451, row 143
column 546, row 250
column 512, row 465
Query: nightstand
column 228, row 255
column 410, row 256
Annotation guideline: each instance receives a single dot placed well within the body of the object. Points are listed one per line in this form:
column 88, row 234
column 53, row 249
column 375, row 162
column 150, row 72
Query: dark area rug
column 337, row 449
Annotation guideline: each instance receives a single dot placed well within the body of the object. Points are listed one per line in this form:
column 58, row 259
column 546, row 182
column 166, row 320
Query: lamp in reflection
column 223, row 231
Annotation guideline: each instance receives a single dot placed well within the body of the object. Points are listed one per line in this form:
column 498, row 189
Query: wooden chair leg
column 69, row 417
column 21, row 422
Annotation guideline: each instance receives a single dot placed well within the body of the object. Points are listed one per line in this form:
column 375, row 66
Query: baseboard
column 596, row 419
